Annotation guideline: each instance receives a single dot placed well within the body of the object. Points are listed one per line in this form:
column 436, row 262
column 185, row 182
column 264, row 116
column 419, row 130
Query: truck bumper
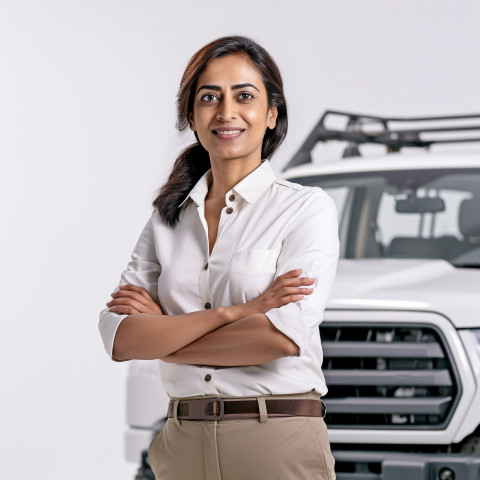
column 361, row 465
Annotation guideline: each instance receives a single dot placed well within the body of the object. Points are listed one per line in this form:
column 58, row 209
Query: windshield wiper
column 467, row 265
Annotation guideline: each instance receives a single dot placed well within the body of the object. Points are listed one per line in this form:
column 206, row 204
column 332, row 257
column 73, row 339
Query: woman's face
column 230, row 110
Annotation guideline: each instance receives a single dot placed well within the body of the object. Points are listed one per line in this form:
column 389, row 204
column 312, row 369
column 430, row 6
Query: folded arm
column 250, row 341
column 145, row 333
column 146, row 336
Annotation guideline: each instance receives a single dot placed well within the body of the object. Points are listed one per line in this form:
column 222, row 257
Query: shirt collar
column 250, row 188
column 200, row 190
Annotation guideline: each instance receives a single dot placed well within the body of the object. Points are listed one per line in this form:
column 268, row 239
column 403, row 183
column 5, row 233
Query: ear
column 272, row 117
column 192, row 122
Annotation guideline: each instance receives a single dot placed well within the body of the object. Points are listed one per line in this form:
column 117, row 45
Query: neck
column 226, row 174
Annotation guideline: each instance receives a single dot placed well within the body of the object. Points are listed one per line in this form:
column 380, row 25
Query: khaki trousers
column 289, row 448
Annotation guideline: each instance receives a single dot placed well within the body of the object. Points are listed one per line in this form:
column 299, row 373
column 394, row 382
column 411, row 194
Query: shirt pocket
column 251, row 273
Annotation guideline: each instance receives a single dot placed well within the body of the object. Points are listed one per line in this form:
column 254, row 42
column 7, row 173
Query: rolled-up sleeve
column 143, row 270
column 311, row 244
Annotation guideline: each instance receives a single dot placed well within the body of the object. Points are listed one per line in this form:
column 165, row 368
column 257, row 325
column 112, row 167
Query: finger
column 290, row 274
column 292, row 282
column 128, row 302
column 136, row 288
column 292, row 298
column 133, row 295
column 297, row 282
column 123, row 310
column 287, row 291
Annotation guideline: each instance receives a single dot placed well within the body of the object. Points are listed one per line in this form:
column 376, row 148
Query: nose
column 226, row 110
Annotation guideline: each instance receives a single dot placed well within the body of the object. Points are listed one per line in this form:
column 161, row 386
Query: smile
column 228, row 133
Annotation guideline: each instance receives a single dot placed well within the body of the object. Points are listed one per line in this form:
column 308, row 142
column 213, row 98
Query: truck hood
column 421, row 285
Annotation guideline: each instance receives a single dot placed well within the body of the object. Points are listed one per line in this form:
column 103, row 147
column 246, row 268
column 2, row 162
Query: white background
column 87, row 91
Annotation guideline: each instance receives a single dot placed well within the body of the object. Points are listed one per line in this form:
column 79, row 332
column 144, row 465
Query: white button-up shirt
column 268, row 227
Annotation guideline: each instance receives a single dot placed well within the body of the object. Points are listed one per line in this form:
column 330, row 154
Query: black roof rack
column 355, row 134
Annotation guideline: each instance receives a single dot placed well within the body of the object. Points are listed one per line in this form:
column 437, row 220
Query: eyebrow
column 234, row 87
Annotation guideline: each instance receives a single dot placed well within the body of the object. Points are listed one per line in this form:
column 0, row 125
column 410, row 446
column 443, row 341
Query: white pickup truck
column 401, row 332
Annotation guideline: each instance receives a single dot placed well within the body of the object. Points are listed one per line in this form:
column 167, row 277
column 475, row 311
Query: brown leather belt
column 216, row 408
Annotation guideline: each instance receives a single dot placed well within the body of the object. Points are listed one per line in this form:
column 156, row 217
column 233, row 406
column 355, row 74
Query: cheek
column 201, row 127
column 258, row 121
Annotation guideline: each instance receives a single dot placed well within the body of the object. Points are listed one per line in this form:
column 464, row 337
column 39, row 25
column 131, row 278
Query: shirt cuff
column 288, row 319
column 108, row 326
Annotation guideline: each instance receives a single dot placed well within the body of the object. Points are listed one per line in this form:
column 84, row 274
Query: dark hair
column 194, row 161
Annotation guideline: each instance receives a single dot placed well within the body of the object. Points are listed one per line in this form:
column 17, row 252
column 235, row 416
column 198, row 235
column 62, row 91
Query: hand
column 286, row 288
column 131, row 299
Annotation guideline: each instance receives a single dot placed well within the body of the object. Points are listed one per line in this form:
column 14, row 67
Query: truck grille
column 393, row 376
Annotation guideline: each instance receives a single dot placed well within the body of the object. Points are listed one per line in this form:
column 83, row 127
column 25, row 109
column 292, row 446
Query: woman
column 228, row 283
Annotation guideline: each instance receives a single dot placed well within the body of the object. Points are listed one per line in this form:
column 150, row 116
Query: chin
column 233, row 154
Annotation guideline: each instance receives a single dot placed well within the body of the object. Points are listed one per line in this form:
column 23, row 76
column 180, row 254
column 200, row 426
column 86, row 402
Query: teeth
column 228, row 132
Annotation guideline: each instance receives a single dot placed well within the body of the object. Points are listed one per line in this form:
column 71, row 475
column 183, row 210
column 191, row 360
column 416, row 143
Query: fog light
column 446, row 474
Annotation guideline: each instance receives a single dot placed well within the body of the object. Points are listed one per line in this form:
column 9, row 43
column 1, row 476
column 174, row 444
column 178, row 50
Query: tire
column 144, row 472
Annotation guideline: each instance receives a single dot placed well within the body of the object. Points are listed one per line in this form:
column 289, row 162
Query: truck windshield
column 407, row 214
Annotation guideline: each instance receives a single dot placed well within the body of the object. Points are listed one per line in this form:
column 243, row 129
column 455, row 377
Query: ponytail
column 187, row 170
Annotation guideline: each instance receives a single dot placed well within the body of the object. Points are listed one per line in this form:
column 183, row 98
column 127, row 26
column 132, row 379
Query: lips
column 228, row 133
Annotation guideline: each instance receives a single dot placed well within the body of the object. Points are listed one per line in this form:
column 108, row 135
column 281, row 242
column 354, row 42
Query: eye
column 208, row 97
column 245, row 96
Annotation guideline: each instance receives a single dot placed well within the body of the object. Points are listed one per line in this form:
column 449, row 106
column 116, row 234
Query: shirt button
column 207, row 306
column 206, row 266
column 208, row 377
column 231, row 198
column 229, row 210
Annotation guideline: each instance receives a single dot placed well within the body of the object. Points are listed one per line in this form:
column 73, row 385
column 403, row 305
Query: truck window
column 406, row 214
column 392, row 224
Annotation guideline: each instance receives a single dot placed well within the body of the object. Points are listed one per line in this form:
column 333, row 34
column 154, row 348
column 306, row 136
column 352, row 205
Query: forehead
column 232, row 69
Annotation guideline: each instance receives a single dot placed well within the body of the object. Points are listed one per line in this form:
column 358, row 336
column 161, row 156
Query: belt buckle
column 209, row 408
column 217, row 408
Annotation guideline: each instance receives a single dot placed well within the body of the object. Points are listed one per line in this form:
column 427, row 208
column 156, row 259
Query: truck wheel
column 144, row 476
column 472, row 445
column 144, row 472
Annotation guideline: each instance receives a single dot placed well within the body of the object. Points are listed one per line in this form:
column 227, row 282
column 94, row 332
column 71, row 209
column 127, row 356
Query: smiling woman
column 231, row 118
column 215, row 287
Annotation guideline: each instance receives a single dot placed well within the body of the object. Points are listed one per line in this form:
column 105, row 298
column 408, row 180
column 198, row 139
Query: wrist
column 225, row 315
column 232, row 314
